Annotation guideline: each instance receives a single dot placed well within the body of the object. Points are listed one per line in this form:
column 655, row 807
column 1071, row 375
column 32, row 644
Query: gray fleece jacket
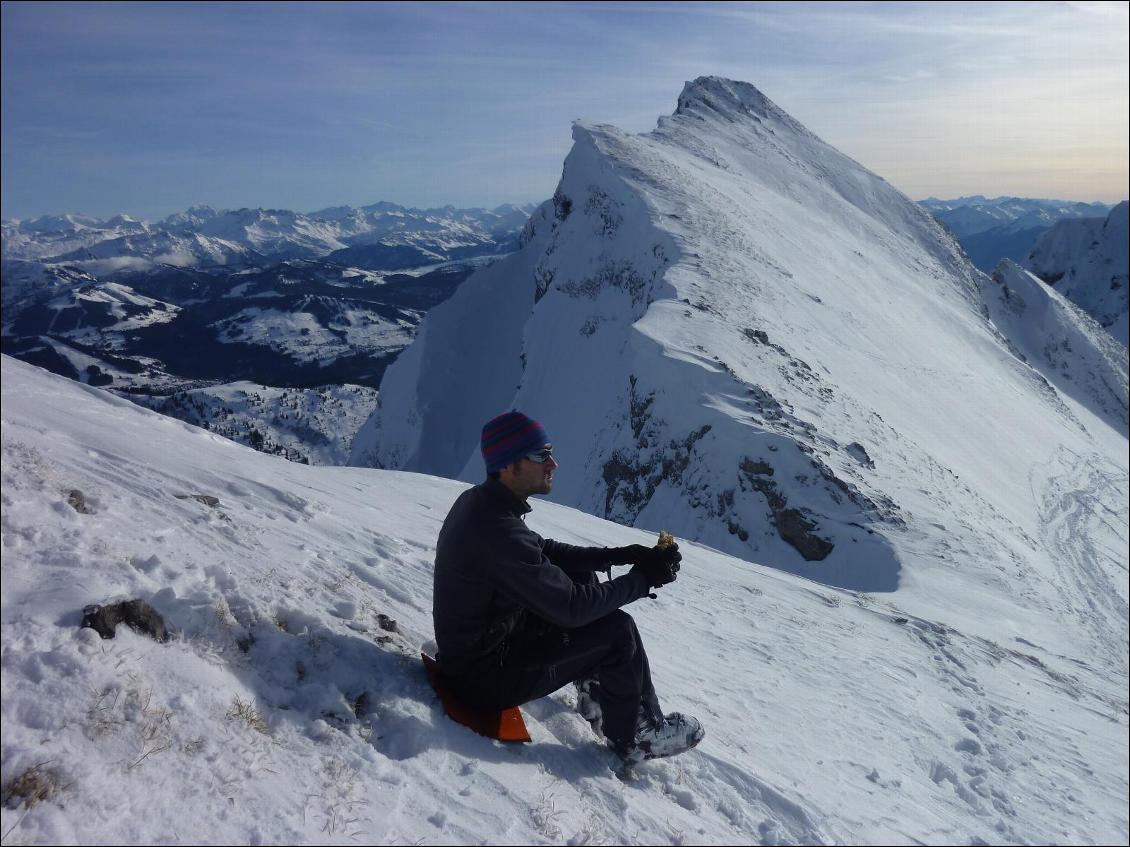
column 491, row 569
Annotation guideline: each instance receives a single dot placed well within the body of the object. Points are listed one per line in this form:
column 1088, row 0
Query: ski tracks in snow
column 1083, row 515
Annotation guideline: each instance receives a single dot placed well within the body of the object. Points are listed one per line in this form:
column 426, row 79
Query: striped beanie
column 508, row 438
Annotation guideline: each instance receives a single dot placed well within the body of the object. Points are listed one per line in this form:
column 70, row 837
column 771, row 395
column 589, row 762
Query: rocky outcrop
column 793, row 525
column 136, row 614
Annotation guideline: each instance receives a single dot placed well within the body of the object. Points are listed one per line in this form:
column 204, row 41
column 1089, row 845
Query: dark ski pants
column 540, row 658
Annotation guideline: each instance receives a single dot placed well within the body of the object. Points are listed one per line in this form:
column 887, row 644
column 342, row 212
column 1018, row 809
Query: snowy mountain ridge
column 732, row 331
column 289, row 704
column 900, row 487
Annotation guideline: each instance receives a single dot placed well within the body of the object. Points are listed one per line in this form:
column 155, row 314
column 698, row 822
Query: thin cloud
column 474, row 97
column 913, row 76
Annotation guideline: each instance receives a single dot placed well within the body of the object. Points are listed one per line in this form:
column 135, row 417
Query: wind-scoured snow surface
column 281, row 712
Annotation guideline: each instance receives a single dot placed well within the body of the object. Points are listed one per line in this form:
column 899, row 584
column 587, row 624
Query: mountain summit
column 733, row 331
column 728, row 97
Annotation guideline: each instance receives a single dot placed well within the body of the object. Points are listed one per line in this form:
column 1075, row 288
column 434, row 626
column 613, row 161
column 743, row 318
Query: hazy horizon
column 148, row 109
column 310, row 212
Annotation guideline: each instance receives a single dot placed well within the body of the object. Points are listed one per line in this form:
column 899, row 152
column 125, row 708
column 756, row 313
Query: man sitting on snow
column 518, row 616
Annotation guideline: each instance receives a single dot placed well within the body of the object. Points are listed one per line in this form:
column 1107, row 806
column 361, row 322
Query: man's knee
column 621, row 632
column 621, row 620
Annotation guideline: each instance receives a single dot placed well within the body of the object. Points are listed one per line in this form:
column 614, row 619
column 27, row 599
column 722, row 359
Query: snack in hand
column 666, row 539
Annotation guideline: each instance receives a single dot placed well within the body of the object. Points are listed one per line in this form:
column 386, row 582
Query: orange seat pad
column 505, row 725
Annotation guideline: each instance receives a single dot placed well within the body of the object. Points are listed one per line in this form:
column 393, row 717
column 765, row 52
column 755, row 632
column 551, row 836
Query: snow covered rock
column 136, row 614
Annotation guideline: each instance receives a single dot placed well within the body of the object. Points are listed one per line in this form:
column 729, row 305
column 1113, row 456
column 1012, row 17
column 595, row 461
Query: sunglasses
column 541, row 456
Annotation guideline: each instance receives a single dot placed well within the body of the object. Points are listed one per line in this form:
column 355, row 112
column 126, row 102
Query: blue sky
column 147, row 109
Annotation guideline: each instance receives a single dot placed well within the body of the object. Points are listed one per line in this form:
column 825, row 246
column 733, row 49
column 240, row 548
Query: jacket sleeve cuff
column 644, row 587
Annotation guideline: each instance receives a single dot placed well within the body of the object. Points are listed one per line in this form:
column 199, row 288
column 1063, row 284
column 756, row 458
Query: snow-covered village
column 514, row 424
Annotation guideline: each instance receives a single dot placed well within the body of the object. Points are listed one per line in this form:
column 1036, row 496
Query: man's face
column 526, row 476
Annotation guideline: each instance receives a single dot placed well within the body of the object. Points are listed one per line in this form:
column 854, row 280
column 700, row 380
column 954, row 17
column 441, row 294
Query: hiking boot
column 673, row 735
column 588, row 706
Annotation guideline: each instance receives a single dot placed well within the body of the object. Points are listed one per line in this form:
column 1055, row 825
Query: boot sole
column 649, row 756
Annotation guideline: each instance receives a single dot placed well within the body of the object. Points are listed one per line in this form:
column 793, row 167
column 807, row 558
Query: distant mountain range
column 275, row 297
column 279, row 299
column 1005, row 227
column 205, row 298
column 382, row 236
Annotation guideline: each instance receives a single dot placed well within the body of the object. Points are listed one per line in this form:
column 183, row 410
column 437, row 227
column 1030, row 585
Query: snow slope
column 1088, row 262
column 280, row 710
column 733, row 331
column 1059, row 339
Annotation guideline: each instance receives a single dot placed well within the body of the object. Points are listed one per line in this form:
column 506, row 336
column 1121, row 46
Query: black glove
column 633, row 554
column 659, row 565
